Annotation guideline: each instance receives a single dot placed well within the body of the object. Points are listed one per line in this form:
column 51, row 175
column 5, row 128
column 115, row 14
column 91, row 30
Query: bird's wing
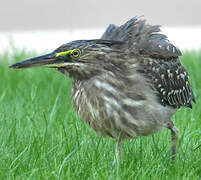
column 142, row 38
column 170, row 80
column 160, row 60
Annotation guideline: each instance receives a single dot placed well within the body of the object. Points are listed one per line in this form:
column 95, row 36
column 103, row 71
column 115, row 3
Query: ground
column 41, row 137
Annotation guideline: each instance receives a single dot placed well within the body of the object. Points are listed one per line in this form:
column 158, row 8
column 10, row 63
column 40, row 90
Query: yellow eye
column 75, row 53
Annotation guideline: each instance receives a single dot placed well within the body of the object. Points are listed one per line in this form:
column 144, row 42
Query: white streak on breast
column 112, row 101
column 131, row 102
column 105, row 85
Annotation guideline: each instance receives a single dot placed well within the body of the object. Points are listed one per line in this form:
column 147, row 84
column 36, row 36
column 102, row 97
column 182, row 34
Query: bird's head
column 80, row 59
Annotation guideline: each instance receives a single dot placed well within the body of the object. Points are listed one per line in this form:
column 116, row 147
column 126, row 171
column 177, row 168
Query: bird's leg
column 175, row 139
column 118, row 150
column 117, row 153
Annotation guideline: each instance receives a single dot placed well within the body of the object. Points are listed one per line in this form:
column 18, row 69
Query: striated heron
column 127, row 84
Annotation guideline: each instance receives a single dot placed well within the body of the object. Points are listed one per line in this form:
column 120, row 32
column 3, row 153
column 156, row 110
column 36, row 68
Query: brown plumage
column 161, row 65
column 126, row 84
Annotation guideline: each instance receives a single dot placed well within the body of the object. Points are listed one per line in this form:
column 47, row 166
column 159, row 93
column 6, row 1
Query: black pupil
column 75, row 53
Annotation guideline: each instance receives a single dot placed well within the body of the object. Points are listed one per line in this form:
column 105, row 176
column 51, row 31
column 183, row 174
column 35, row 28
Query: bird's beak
column 48, row 60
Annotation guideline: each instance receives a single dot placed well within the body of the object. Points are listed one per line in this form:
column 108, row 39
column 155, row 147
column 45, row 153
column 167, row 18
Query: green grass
column 41, row 137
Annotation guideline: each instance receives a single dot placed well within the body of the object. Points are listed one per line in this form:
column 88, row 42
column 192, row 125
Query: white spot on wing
column 182, row 76
column 173, row 49
column 168, row 48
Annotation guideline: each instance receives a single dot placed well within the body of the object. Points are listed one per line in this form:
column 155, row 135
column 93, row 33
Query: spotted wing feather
column 170, row 80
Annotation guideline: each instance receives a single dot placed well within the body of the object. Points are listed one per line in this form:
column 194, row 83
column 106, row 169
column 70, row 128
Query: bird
column 126, row 84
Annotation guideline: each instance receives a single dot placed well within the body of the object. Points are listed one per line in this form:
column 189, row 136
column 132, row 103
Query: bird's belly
column 144, row 120
column 122, row 116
